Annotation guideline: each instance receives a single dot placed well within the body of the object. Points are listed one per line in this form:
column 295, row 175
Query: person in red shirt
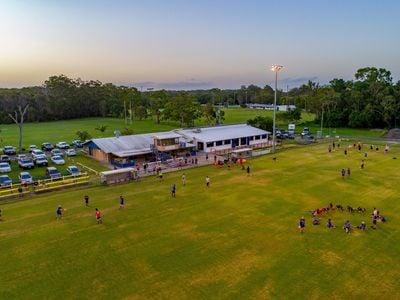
column 98, row 216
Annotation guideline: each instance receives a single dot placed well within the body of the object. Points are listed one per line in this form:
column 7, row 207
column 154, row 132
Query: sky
column 177, row 44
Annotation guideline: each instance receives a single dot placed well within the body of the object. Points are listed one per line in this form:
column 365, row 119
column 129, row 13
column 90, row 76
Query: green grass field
column 237, row 239
column 37, row 133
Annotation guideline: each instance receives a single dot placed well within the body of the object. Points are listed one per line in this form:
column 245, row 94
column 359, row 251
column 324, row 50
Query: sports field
column 237, row 239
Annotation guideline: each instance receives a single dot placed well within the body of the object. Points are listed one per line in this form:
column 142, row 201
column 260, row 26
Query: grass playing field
column 238, row 239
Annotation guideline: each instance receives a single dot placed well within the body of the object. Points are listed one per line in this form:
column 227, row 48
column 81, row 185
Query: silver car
column 5, row 167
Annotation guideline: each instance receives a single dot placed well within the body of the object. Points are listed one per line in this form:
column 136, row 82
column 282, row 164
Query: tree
column 264, row 123
column 157, row 102
column 18, row 119
column 209, row 113
column 83, row 135
column 183, row 108
column 101, row 128
column 291, row 115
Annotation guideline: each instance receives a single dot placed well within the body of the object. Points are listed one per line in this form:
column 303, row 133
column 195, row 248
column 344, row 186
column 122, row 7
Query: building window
column 218, row 143
column 243, row 141
column 210, row 144
column 227, row 142
column 251, row 138
column 257, row 137
column 264, row 136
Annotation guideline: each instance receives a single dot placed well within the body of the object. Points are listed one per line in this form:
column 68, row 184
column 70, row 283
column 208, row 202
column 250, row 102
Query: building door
column 200, row 146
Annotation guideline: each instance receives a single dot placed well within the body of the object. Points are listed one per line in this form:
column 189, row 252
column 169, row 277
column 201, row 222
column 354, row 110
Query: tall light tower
column 276, row 69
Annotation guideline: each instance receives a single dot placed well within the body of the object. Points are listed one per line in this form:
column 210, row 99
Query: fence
column 44, row 185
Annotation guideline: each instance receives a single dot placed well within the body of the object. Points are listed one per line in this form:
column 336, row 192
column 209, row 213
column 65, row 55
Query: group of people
column 60, row 210
column 376, row 216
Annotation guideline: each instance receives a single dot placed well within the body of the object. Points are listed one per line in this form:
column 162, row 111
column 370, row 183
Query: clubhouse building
column 125, row 151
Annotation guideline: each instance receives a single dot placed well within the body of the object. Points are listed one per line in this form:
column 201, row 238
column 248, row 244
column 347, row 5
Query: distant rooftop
column 221, row 132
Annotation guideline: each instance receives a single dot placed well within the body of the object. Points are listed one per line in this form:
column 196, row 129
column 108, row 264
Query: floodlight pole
column 276, row 69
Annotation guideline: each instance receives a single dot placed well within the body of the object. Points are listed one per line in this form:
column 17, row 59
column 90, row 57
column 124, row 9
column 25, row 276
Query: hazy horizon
column 196, row 45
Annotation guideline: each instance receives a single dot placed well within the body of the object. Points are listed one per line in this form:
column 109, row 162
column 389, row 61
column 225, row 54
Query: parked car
column 73, row 170
column 26, row 163
column 281, row 134
column 5, row 167
column 41, row 161
column 9, row 150
column 62, row 145
column 77, row 143
column 37, row 153
column 70, row 152
column 21, row 156
column 53, row 173
column 47, row 146
column 58, row 160
column 32, row 147
column 5, row 180
column 5, row 158
column 57, row 152
column 305, row 131
column 25, row 177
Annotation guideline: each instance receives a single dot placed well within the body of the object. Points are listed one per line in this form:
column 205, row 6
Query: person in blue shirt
column 362, row 226
column 302, row 224
column 347, row 226
column 173, row 190
column 59, row 212
column 121, row 202
column 329, row 224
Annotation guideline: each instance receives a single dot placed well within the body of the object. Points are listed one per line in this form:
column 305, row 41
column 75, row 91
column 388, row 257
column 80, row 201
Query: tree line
column 370, row 100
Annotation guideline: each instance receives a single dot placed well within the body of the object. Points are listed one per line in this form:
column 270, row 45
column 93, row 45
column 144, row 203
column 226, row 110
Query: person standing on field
column 248, row 170
column 98, row 216
column 86, row 200
column 302, row 224
column 183, row 179
column 173, row 191
column 121, row 202
column 207, row 181
column 59, row 212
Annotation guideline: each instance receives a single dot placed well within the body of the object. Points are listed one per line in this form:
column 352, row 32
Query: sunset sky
column 196, row 44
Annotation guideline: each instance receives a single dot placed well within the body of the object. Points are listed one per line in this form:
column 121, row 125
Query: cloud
column 191, row 84
column 293, row 82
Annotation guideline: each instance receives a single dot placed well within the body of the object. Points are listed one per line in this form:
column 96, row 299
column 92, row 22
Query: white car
column 55, row 152
column 70, row 152
column 25, row 177
column 5, row 167
column 62, row 145
column 58, row 160
column 37, row 153
column 32, row 147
